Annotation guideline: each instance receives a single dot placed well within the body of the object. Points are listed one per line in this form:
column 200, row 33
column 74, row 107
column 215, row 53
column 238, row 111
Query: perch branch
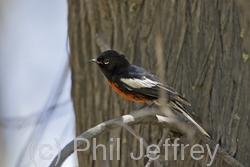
column 142, row 116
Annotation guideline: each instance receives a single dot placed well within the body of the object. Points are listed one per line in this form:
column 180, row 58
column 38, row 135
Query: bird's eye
column 106, row 61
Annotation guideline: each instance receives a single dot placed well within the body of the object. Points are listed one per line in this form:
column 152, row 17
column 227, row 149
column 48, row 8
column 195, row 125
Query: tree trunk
column 205, row 47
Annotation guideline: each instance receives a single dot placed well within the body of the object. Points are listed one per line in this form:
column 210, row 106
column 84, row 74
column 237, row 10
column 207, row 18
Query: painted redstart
column 137, row 84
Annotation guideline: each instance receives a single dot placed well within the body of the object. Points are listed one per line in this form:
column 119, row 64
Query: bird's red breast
column 129, row 96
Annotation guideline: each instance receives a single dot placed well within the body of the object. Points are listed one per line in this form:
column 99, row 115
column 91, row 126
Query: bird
column 137, row 84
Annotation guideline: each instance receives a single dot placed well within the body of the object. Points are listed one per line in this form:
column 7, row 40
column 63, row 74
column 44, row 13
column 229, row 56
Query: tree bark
column 206, row 50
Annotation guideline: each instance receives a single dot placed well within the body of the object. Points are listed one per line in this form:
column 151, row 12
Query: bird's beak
column 95, row 61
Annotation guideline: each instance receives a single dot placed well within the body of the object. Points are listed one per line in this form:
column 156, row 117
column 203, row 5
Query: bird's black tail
column 175, row 105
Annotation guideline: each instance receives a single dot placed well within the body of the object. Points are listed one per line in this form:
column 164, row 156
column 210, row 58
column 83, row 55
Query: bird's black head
column 111, row 62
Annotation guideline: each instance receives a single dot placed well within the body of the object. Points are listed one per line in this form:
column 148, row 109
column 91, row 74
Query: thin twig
column 101, row 42
column 136, row 135
column 160, row 143
column 132, row 131
column 164, row 136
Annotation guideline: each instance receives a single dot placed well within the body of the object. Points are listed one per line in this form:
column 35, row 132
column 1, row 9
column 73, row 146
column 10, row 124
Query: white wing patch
column 139, row 83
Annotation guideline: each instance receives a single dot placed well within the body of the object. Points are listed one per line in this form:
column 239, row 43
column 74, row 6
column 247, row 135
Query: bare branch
column 142, row 116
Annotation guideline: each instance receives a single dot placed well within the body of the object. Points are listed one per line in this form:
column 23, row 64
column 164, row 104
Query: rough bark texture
column 205, row 47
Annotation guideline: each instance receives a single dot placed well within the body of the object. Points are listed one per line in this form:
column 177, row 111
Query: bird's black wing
column 141, row 81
